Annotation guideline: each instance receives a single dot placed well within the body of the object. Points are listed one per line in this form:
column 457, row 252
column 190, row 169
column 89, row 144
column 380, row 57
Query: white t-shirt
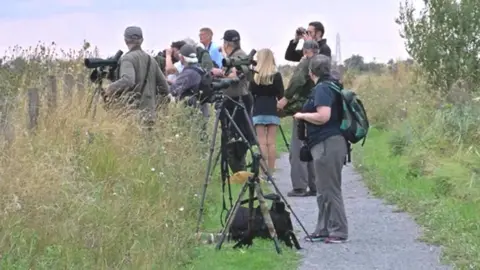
column 178, row 65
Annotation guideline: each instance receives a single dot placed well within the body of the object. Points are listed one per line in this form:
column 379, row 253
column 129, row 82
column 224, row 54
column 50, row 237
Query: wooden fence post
column 80, row 86
column 33, row 108
column 68, row 85
column 51, row 92
column 6, row 123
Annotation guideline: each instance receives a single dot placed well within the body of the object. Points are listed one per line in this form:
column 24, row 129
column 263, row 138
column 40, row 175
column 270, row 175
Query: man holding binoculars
column 315, row 31
column 302, row 175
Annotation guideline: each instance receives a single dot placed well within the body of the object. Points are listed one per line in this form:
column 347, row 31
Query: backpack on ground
column 355, row 122
column 280, row 218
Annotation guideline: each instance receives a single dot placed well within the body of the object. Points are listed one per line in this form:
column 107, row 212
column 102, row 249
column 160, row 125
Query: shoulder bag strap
column 146, row 75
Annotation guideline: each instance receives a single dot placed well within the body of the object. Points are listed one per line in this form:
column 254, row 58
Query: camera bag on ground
column 355, row 122
column 281, row 221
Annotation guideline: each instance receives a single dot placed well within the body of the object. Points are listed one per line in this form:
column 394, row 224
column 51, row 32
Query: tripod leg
column 266, row 217
column 208, row 174
column 90, row 101
column 263, row 162
column 269, row 177
column 231, row 217
column 290, row 208
column 95, row 99
column 284, row 138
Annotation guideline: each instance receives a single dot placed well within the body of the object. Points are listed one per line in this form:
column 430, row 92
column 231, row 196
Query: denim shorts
column 266, row 120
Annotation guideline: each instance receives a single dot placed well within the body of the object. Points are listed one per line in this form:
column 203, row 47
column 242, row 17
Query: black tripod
column 222, row 112
column 284, row 138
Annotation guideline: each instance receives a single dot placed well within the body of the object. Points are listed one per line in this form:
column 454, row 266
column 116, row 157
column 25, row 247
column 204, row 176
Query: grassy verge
column 423, row 155
column 79, row 193
column 450, row 219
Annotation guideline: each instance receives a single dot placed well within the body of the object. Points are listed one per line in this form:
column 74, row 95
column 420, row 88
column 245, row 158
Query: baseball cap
column 189, row 53
column 133, row 33
column 231, row 35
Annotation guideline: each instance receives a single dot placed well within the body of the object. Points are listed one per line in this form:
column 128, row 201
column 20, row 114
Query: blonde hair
column 265, row 68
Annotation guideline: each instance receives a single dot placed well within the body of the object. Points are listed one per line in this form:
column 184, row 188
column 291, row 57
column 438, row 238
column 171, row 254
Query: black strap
column 234, row 51
column 146, row 75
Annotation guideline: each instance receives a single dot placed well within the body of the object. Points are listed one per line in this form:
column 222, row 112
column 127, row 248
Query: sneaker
column 297, row 193
column 315, row 238
column 335, row 240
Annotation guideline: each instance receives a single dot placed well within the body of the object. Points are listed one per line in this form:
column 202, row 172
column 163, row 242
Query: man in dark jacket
column 187, row 83
column 315, row 31
column 236, row 149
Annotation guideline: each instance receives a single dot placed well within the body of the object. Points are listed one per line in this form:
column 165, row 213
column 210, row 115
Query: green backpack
column 355, row 123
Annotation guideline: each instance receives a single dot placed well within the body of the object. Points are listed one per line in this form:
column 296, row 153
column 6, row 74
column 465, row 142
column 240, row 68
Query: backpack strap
column 200, row 71
column 146, row 75
column 334, row 87
column 200, row 52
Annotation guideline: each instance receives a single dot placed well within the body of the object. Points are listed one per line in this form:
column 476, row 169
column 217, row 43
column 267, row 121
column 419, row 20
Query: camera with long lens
column 103, row 68
column 219, row 84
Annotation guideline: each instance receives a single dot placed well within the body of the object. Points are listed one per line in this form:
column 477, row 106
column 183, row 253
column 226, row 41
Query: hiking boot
column 315, row 238
column 312, row 193
column 335, row 240
column 297, row 193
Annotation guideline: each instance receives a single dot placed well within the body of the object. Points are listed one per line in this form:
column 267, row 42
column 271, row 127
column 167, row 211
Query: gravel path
column 380, row 238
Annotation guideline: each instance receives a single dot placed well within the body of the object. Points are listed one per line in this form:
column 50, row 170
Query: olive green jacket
column 132, row 72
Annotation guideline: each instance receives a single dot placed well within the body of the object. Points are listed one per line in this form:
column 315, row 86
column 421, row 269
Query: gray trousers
column 328, row 157
column 301, row 173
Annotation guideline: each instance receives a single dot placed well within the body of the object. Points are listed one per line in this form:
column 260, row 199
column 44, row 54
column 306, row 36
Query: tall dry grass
column 94, row 194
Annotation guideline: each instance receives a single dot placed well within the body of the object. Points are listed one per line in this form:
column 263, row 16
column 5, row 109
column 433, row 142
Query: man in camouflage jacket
column 296, row 94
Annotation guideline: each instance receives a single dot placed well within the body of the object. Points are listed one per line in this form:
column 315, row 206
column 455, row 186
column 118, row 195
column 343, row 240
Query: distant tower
column 338, row 51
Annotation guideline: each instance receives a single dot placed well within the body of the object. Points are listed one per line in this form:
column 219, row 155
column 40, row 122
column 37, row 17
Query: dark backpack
column 355, row 123
column 280, row 218
column 206, row 63
column 205, row 90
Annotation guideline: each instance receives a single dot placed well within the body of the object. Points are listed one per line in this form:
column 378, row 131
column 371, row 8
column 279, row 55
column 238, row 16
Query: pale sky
column 366, row 27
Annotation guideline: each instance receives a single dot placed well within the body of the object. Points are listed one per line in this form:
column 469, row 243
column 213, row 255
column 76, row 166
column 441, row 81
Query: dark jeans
column 236, row 149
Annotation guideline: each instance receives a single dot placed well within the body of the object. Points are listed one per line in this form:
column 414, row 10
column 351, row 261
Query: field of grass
column 423, row 155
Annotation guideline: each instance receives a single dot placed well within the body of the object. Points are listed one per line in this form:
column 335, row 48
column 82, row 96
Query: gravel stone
column 380, row 237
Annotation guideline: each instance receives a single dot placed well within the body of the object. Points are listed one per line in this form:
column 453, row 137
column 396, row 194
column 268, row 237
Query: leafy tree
column 355, row 61
column 444, row 39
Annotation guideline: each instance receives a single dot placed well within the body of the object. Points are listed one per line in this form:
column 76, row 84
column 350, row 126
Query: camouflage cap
column 311, row 45
column 133, row 33
column 189, row 53
column 320, row 65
